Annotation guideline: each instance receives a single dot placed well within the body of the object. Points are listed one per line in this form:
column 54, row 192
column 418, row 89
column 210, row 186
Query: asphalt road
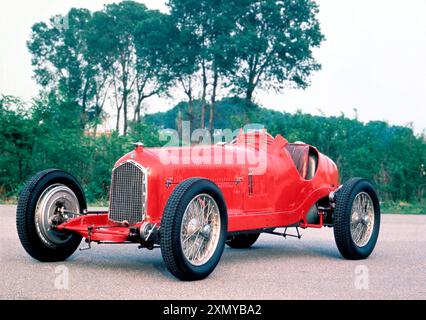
column 274, row 268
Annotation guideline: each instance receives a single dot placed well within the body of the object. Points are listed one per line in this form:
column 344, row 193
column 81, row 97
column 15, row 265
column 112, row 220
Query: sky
column 374, row 59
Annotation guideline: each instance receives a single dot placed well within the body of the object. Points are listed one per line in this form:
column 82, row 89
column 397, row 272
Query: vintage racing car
column 192, row 201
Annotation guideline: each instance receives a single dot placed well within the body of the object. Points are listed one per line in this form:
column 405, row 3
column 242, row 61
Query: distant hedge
column 41, row 136
column 393, row 157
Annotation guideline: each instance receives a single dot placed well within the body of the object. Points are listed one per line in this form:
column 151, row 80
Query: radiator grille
column 128, row 194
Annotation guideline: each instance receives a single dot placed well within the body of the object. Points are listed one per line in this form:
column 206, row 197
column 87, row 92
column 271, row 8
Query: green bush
column 49, row 135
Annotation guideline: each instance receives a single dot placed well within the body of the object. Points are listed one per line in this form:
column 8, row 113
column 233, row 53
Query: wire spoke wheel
column 200, row 230
column 194, row 229
column 356, row 219
column 362, row 219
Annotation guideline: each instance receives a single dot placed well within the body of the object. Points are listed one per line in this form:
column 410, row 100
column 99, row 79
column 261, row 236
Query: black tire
column 342, row 218
column 170, row 232
column 242, row 241
column 26, row 220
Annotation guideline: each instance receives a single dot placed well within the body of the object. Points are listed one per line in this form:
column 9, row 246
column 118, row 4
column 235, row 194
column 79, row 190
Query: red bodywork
column 279, row 195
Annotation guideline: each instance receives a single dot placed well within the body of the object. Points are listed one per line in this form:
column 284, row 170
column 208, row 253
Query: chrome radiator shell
column 128, row 194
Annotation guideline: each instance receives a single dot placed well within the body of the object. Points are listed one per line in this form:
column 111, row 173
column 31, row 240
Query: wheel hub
column 48, row 215
column 366, row 220
column 206, row 231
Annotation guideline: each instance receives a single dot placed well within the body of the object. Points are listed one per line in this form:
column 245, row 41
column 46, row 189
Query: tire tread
column 24, row 220
column 171, row 227
column 168, row 247
column 342, row 216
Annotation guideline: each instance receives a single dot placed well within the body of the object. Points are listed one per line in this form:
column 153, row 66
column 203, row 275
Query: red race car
column 191, row 201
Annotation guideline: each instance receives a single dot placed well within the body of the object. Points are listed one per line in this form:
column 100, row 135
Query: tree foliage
column 60, row 59
column 208, row 26
column 273, row 45
column 243, row 45
column 391, row 156
column 124, row 54
column 49, row 136
column 109, row 56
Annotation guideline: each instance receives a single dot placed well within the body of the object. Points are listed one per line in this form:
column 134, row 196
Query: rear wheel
column 193, row 230
column 50, row 198
column 356, row 219
column 242, row 241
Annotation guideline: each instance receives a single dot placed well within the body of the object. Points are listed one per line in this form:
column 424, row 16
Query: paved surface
column 273, row 269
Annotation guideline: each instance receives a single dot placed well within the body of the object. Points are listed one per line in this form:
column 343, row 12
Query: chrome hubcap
column 52, row 209
column 200, row 231
column 362, row 219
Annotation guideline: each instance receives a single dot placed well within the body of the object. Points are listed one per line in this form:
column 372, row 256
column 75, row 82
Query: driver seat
column 304, row 158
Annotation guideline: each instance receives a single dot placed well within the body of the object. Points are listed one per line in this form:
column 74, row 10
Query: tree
column 273, row 43
column 113, row 37
column 185, row 57
column 207, row 25
column 60, row 59
column 153, row 45
column 129, row 44
column 17, row 134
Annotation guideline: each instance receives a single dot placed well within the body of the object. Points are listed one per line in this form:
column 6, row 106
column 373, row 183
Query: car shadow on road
column 265, row 251
column 151, row 263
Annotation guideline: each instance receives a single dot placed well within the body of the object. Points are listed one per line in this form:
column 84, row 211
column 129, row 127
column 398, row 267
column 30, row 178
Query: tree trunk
column 117, row 105
column 137, row 114
column 139, row 111
column 125, row 83
column 250, row 89
column 191, row 110
column 117, row 126
column 125, row 99
column 211, row 118
column 249, row 96
column 138, row 120
column 213, row 102
column 140, row 98
column 187, row 88
column 203, row 99
column 84, row 107
column 251, row 80
column 125, row 116
column 179, row 123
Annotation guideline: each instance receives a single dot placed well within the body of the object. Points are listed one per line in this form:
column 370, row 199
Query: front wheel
column 356, row 219
column 49, row 199
column 193, row 229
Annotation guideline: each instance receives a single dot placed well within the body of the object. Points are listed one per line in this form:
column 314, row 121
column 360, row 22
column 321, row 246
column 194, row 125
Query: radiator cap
column 139, row 147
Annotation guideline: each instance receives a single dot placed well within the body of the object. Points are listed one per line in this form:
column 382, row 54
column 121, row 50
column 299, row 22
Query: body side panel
column 279, row 197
